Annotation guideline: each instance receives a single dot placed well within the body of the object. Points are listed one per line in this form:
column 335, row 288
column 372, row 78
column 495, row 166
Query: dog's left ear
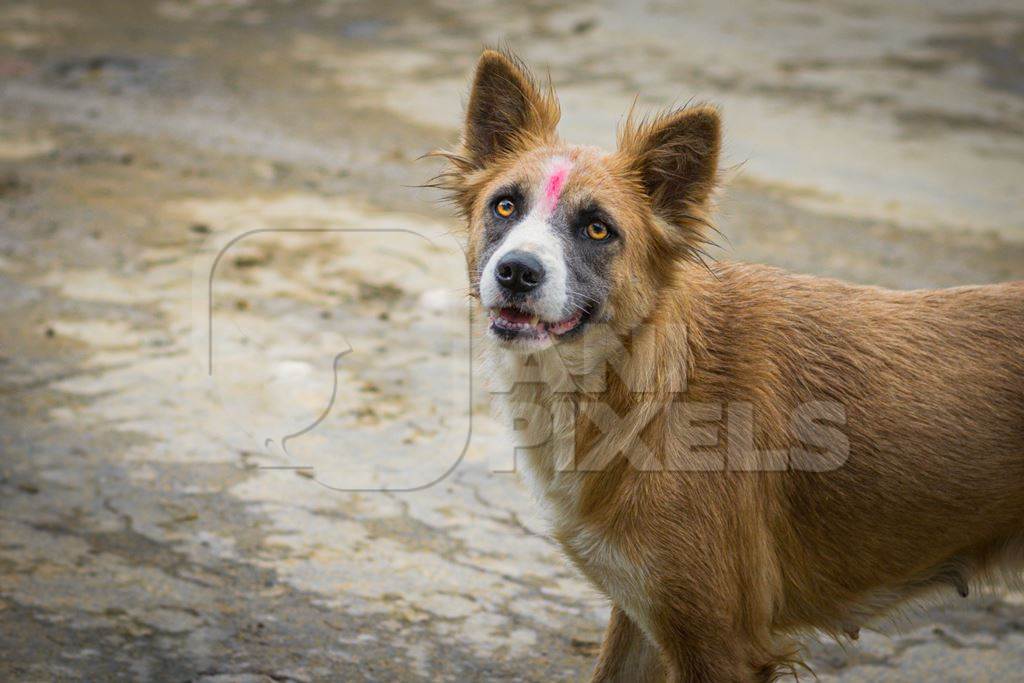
column 675, row 160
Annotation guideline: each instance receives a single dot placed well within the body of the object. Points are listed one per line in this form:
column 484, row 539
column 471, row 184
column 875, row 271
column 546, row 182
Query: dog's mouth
column 512, row 323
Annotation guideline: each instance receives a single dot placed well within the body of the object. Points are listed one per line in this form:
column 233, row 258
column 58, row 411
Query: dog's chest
column 595, row 552
column 544, row 431
column 544, row 428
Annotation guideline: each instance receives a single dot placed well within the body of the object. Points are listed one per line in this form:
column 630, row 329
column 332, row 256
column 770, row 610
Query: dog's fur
column 714, row 558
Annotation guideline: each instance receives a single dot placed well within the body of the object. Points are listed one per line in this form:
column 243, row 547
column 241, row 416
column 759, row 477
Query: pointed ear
column 674, row 157
column 506, row 109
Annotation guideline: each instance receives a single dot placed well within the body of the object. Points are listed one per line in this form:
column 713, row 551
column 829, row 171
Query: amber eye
column 505, row 207
column 597, row 231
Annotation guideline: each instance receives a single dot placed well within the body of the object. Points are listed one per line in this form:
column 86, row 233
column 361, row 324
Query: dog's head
column 562, row 237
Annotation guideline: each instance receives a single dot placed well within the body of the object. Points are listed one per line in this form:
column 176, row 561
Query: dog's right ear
column 507, row 111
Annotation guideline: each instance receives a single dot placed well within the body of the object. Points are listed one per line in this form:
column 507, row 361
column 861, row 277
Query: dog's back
column 929, row 486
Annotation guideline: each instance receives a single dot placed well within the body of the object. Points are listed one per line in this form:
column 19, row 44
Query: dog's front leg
column 627, row 655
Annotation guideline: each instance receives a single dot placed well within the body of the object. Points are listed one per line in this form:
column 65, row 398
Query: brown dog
column 732, row 454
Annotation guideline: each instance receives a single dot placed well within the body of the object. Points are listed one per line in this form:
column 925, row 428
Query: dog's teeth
column 534, row 320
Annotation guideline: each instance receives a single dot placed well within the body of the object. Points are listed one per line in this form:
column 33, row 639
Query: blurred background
column 239, row 436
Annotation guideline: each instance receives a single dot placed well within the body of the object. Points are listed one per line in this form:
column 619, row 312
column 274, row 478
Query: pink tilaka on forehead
column 555, row 182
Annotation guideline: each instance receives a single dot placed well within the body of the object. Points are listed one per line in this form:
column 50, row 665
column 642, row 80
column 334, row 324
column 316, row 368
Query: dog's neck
column 541, row 396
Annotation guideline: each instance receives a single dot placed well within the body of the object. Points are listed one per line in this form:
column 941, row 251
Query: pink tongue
column 514, row 316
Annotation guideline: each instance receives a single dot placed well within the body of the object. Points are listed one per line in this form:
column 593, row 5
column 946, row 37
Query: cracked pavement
column 153, row 524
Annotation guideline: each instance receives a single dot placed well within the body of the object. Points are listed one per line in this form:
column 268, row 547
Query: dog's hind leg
column 627, row 655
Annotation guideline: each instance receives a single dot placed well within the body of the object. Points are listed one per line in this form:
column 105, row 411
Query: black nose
column 519, row 272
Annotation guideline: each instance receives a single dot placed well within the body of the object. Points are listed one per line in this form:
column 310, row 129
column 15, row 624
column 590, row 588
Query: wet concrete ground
column 156, row 400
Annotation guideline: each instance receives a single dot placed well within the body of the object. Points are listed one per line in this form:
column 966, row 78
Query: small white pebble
column 437, row 300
